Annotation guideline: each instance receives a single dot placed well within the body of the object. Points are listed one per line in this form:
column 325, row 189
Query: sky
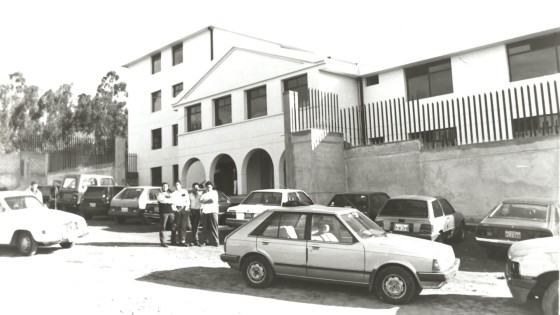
column 55, row 42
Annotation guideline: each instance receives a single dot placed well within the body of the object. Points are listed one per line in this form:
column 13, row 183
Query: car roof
column 105, row 186
column 415, row 197
column 143, row 187
column 14, row 193
column 314, row 209
column 361, row 193
column 535, row 200
column 277, row 190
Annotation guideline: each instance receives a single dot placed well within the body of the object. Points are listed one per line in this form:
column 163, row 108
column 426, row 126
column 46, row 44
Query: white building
column 210, row 105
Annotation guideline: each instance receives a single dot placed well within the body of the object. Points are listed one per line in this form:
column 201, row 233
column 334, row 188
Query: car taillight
column 435, row 265
column 426, row 228
column 380, row 223
column 513, row 267
column 542, row 234
column 484, row 231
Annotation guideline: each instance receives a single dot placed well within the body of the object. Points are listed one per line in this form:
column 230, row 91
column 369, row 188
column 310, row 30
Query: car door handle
column 265, row 243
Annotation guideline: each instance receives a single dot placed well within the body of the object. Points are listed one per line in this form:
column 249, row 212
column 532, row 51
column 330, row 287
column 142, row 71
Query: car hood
column 539, row 246
column 514, row 223
column 406, row 245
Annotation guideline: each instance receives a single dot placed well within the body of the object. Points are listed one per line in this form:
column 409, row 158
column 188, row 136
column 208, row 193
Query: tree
column 58, row 115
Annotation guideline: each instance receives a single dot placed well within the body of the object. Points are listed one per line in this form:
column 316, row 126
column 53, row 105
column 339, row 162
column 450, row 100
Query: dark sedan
column 49, row 194
column 369, row 203
column 519, row 219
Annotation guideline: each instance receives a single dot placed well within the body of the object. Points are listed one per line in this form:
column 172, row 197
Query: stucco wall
column 473, row 178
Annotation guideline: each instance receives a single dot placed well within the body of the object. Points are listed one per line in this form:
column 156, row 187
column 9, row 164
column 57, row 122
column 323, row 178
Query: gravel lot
column 121, row 269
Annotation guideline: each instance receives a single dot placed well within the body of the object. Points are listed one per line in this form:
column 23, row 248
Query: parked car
column 97, row 199
column 152, row 208
column 26, row 223
column 532, row 271
column 131, row 203
column 74, row 186
column 260, row 200
column 369, row 203
column 518, row 219
column 337, row 245
column 431, row 218
column 49, row 194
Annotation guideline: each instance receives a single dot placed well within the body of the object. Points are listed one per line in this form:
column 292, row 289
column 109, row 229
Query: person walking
column 34, row 188
column 165, row 213
column 181, row 205
column 210, row 210
column 195, row 212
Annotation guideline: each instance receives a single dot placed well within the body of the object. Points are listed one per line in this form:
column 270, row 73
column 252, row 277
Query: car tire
column 26, row 244
column 120, row 220
column 550, row 299
column 395, row 285
column 459, row 234
column 257, row 272
column 66, row 244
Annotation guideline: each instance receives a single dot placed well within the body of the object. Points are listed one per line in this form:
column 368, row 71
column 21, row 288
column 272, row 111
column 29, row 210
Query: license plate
column 123, row 209
column 92, row 204
column 400, row 227
column 249, row 215
column 513, row 234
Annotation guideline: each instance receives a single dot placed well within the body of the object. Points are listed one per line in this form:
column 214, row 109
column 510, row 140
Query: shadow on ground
column 476, row 258
column 7, row 251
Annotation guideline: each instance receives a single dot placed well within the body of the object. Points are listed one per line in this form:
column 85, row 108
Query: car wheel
column 120, row 220
column 66, row 244
column 26, row 245
column 257, row 272
column 550, row 299
column 395, row 285
column 459, row 234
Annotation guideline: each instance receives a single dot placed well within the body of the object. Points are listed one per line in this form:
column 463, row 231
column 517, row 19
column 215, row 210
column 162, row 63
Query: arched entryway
column 259, row 170
column 224, row 174
column 193, row 171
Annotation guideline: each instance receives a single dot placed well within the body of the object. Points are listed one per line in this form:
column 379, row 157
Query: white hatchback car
column 26, row 223
column 260, row 200
column 337, row 245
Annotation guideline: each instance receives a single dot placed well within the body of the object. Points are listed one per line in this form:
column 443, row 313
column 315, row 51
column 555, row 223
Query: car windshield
column 23, row 202
column 96, row 192
column 263, row 198
column 69, row 182
column 521, row 211
column 131, row 193
column 405, row 208
column 362, row 225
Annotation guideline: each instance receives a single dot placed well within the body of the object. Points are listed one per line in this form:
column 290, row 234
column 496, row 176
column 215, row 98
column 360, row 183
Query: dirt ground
column 121, row 269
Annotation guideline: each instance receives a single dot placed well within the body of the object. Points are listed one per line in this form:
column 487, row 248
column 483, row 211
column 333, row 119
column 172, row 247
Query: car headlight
column 435, row 265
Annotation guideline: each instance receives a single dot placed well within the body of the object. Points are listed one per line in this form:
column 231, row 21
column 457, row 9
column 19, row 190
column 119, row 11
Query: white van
column 74, row 185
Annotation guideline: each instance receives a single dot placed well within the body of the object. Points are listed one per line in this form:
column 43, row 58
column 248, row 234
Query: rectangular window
column 436, row 138
column 372, row 80
column 177, row 88
column 193, row 118
column 222, row 110
column 156, row 101
column 156, row 176
column 175, row 135
column 429, row 80
column 534, row 57
column 156, row 63
column 175, row 173
column 156, row 139
column 178, row 54
column 535, row 126
column 256, row 102
column 299, row 85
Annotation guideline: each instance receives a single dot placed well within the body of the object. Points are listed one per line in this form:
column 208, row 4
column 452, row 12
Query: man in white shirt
column 181, row 204
column 210, row 210
column 35, row 190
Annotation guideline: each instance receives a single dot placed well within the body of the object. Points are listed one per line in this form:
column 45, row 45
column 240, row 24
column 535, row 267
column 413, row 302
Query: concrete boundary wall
column 473, row 178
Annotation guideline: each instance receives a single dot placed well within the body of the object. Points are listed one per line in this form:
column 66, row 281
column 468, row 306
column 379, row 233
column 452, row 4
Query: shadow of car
column 369, row 203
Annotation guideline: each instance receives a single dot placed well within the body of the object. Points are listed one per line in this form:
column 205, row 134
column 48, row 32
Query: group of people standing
column 188, row 211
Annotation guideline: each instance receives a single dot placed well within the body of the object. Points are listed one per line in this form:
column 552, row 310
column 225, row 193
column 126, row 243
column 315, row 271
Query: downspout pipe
column 360, row 82
column 211, row 29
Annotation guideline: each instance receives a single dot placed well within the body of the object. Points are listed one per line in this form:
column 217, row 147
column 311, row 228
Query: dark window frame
column 252, row 98
column 175, row 135
column 302, row 89
column 372, row 80
column 156, row 144
column 153, row 173
column 156, row 63
column 430, row 70
column 156, row 101
column 177, row 59
column 177, row 89
column 190, row 113
column 175, row 170
column 221, row 104
column 533, row 45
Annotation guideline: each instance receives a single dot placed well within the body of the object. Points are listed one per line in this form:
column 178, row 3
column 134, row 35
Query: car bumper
column 94, row 210
column 429, row 237
column 492, row 242
column 435, row 280
column 70, row 236
column 231, row 260
column 131, row 214
column 235, row 222
column 520, row 288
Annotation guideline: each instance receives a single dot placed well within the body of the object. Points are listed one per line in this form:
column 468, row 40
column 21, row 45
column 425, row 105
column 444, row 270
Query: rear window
column 69, row 183
column 405, row 208
column 130, row 193
column 152, row 195
column 263, row 198
column 96, row 192
column 106, row 181
column 521, row 211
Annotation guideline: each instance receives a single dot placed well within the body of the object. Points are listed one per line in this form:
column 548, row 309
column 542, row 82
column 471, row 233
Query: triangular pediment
column 241, row 67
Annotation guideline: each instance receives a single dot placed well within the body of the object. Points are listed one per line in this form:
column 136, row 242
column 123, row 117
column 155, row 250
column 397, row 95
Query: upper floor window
column 177, row 88
column 299, row 85
column 372, row 80
column 156, row 139
column 193, row 118
column 222, row 110
column 156, row 101
column 156, row 63
column 534, row 57
column 156, row 176
column 256, row 102
column 431, row 79
column 178, row 54
column 175, row 135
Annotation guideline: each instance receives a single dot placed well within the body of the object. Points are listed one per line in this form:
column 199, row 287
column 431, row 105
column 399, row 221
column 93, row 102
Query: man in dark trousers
column 195, row 207
column 165, row 213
